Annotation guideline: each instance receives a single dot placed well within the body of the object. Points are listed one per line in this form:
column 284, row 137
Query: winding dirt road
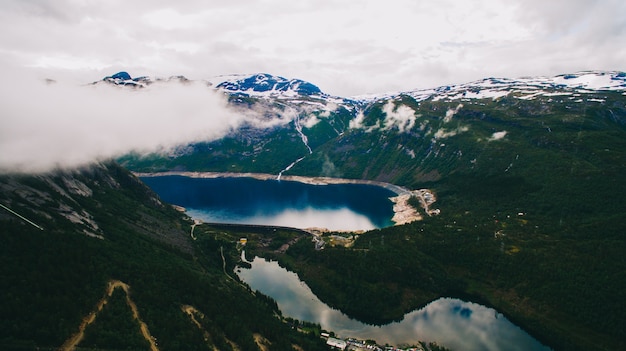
column 71, row 343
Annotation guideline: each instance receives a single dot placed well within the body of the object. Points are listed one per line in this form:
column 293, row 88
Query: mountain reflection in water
column 453, row 323
column 282, row 203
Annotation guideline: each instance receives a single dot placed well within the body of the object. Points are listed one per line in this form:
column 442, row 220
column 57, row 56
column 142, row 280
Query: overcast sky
column 345, row 47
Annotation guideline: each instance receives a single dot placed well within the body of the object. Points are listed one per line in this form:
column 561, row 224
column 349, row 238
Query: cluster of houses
column 348, row 344
column 352, row 344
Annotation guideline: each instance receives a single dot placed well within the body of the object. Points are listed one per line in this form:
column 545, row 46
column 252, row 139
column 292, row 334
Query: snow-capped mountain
column 267, row 86
column 263, row 84
column 123, row 78
column 525, row 88
column 256, row 85
column 295, row 127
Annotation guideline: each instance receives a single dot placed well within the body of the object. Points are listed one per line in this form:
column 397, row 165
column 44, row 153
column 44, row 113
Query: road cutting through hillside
column 71, row 343
column 192, row 312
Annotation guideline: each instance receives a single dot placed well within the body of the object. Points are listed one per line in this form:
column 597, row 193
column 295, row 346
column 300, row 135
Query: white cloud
column 451, row 112
column 310, row 121
column 498, row 135
column 346, row 50
column 402, row 116
column 444, row 133
column 47, row 125
column 357, row 122
column 170, row 19
column 328, row 109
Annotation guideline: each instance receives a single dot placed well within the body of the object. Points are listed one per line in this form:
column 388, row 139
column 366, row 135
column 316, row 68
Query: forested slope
column 100, row 224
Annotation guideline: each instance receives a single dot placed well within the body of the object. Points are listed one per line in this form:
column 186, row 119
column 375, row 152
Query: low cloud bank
column 45, row 125
column 401, row 116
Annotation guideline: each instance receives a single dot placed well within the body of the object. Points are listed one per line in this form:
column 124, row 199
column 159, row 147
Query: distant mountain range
column 267, row 85
column 309, row 129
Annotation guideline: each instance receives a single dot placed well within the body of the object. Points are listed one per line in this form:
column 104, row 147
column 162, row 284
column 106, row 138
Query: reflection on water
column 281, row 203
column 453, row 323
column 333, row 219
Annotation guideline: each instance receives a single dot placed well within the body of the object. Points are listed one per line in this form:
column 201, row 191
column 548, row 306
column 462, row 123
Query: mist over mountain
column 528, row 175
column 50, row 124
column 172, row 116
column 318, row 134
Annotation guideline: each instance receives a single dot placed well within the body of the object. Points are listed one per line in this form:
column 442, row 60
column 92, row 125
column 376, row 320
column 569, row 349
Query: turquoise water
column 281, row 203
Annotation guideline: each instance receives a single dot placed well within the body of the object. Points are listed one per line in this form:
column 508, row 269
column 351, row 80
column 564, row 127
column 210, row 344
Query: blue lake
column 453, row 323
column 281, row 203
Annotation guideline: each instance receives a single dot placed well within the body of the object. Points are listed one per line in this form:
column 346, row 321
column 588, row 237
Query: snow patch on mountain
column 526, row 88
column 265, row 85
column 269, row 101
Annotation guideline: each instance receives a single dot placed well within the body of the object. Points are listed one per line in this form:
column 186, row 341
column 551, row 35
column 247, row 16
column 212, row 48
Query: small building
column 243, row 241
column 336, row 343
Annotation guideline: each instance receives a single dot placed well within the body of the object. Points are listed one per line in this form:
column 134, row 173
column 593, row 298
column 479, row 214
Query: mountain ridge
column 426, row 117
column 265, row 84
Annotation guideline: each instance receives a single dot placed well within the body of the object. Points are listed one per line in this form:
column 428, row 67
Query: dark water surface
column 282, row 203
column 452, row 323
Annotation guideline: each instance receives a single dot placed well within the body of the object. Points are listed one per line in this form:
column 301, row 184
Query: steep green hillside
column 103, row 228
column 532, row 219
column 532, row 210
column 269, row 144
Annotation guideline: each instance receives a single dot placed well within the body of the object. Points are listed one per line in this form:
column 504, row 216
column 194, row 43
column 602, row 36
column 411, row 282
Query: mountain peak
column 124, row 78
column 264, row 84
column 120, row 75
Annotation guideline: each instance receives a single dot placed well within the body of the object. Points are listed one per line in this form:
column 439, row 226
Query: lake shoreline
column 432, row 322
column 399, row 190
column 403, row 212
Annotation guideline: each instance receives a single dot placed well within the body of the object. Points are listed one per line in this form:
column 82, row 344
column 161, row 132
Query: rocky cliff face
column 79, row 201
